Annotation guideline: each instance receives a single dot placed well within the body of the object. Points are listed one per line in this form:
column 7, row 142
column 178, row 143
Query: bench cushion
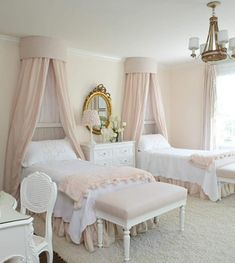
column 140, row 199
column 227, row 171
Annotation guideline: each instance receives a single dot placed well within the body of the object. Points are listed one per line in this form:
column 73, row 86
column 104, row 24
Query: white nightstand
column 116, row 154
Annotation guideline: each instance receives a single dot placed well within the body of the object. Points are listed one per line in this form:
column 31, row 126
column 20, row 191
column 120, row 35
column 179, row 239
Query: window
column 225, row 111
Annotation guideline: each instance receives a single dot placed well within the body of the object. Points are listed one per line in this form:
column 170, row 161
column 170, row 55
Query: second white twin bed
column 159, row 158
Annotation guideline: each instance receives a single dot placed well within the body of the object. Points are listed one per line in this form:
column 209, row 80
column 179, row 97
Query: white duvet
column 79, row 219
column 174, row 163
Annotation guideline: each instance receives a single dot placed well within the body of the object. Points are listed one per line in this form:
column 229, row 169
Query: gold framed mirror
column 99, row 99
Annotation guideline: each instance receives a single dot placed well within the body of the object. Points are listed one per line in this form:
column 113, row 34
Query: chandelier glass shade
column 215, row 48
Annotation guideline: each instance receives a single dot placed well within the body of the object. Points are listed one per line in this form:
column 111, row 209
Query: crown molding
column 75, row 51
column 85, row 53
column 9, row 38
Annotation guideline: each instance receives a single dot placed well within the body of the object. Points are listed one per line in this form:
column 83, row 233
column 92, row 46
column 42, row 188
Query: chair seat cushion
column 140, row 199
column 227, row 171
column 39, row 242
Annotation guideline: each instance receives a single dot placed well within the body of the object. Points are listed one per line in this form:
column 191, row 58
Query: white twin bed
column 57, row 159
column 159, row 158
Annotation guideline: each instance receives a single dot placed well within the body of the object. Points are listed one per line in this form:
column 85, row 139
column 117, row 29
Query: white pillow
column 43, row 151
column 153, row 141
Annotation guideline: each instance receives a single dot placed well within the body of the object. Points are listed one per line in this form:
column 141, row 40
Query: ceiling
column 118, row 28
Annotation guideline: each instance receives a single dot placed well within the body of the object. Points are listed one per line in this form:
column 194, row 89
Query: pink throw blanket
column 78, row 186
column 206, row 161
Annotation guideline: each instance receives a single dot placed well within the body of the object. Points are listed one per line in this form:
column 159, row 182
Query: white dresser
column 116, row 154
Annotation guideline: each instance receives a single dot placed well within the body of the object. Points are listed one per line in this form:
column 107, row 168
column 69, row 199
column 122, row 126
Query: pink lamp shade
column 90, row 118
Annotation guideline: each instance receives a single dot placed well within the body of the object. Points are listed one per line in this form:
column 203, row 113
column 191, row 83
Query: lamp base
column 92, row 142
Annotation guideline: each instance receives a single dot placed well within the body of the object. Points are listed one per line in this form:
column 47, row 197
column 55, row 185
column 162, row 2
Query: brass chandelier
column 215, row 47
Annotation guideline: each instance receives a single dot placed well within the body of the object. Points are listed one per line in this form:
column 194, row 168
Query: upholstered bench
column 136, row 204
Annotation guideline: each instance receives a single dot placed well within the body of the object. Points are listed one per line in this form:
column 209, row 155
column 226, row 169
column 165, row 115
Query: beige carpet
column 209, row 237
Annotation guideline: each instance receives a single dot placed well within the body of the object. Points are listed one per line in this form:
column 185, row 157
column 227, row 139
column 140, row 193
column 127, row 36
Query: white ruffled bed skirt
column 195, row 189
column 112, row 232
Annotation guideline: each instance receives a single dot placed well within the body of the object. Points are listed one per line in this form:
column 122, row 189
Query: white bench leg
column 126, row 241
column 182, row 216
column 100, row 232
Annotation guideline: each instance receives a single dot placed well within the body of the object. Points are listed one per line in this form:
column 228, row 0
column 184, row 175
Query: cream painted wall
column 9, row 66
column 186, row 105
column 84, row 74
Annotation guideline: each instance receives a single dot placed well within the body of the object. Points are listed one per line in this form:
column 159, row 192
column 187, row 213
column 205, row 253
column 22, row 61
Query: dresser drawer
column 105, row 162
column 125, row 161
column 100, row 154
column 123, row 151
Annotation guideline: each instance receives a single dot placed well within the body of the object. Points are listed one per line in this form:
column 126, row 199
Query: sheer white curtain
column 209, row 107
column 225, row 106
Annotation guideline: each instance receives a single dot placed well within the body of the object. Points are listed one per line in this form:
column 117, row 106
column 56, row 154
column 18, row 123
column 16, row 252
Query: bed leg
column 182, row 216
column 156, row 219
column 100, row 232
column 126, row 241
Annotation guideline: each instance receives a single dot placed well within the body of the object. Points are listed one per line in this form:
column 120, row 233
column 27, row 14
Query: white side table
column 111, row 154
column 16, row 233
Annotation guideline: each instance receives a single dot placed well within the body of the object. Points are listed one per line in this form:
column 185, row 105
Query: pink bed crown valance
column 43, row 47
column 140, row 65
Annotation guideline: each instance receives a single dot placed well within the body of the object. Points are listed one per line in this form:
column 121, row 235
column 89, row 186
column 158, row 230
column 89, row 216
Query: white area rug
column 209, row 237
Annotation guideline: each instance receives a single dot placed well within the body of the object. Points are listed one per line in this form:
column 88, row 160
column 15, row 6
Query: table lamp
column 91, row 118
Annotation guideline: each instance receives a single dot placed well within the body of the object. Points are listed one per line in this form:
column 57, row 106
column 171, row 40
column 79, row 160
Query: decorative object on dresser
column 117, row 129
column 99, row 99
column 91, row 119
column 116, row 154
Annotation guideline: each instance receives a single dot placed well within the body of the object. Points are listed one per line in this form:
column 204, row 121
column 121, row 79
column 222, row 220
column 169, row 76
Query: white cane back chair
column 38, row 194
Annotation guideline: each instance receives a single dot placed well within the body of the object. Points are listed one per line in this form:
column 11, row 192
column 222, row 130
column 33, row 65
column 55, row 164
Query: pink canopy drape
column 31, row 85
column 141, row 82
column 66, row 112
column 26, row 108
column 134, row 104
